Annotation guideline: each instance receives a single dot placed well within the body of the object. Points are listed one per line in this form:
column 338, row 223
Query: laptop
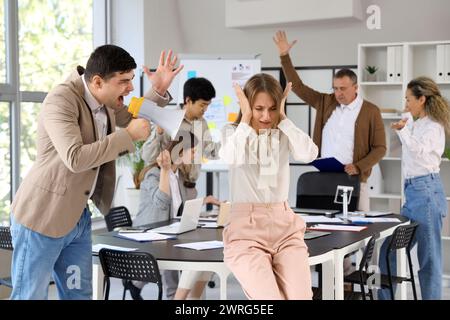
column 315, row 211
column 189, row 218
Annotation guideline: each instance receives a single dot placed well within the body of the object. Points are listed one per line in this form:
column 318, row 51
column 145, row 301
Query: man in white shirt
column 347, row 127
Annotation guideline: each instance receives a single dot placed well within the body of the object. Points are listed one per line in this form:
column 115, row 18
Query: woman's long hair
column 262, row 82
column 184, row 141
column 436, row 106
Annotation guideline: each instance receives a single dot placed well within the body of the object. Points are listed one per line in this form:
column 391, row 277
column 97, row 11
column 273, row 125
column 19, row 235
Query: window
column 50, row 48
column 2, row 43
column 28, row 117
column 5, row 163
column 52, row 37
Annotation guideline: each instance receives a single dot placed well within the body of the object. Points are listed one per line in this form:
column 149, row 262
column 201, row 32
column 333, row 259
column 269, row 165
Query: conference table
column 327, row 251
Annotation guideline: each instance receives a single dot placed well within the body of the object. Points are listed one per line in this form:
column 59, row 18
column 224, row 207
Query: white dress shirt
column 259, row 164
column 338, row 135
column 175, row 192
column 101, row 121
column 423, row 144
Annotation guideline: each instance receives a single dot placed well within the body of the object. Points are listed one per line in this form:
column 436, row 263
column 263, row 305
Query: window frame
column 10, row 90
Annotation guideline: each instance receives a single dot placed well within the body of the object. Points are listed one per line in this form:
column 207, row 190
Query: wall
column 201, row 29
column 198, row 27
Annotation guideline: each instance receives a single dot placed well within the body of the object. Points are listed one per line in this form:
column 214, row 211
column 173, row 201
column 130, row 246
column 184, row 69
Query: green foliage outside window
column 54, row 37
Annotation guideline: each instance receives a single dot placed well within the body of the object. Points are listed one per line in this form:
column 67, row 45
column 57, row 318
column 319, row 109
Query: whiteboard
column 224, row 108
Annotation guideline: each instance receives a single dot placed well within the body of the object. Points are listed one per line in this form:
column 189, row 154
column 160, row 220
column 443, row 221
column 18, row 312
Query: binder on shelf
column 394, row 64
column 328, row 165
column 375, row 181
column 390, row 64
column 398, row 77
column 447, row 63
column 440, row 62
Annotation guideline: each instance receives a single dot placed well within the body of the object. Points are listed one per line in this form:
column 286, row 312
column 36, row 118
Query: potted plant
column 447, row 153
column 371, row 70
column 135, row 163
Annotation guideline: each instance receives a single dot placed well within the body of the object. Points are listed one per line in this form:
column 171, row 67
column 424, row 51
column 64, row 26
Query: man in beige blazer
column 77, row 145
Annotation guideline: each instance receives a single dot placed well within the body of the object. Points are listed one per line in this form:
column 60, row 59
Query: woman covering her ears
column 264, row 243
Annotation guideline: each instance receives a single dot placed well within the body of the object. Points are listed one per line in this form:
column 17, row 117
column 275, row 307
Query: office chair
column 138, row 266
column 361, row 275
column 118, row 217
column 316, row 190
column 6, row 244
column 402, row 237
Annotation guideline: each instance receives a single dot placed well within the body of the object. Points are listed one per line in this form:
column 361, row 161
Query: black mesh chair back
column 5, row 238
column 6, row 244
column 368, row 253
column 118, row 217
column 363, row 270
column 402, row 238
column 139, row 266
column 316, row 190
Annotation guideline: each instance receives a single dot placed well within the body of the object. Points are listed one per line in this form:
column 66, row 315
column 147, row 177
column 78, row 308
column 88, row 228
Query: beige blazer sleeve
column 61, row 124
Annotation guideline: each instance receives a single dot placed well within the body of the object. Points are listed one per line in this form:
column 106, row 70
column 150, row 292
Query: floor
column 234, row 291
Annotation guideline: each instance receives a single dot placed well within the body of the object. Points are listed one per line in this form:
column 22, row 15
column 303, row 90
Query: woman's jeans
column 425, row 204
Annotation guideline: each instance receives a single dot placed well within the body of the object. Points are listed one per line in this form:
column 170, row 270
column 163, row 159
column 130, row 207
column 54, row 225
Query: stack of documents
column 320, row 219
column 334, row 227
column 144, row 236
column 203, row 245
column 96, row 248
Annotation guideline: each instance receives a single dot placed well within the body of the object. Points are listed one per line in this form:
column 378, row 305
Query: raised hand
column 244, row 104
column 399, row 125
column 282, row 43
column 164, row 161
column 159, row 130
column 164, row 74
column 283, row 101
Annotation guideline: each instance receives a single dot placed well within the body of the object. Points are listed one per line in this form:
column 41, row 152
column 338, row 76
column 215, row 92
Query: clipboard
column 328, row 165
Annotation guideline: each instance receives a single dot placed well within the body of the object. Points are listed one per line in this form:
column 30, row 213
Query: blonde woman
column 423, row 143
column 264, row 243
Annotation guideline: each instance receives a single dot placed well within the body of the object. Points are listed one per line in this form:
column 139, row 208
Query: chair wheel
column 211, row 284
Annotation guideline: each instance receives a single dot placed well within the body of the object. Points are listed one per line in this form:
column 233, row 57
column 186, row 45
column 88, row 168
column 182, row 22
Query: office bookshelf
column 397, row 64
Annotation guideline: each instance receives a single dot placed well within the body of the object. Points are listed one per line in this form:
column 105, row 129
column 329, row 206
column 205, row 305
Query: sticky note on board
column 192, row 74
column 212, row 125
column 232, row 117
column 226, row 100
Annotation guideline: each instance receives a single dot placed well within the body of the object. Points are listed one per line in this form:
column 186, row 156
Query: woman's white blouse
column 259, row 164
column 423, row 143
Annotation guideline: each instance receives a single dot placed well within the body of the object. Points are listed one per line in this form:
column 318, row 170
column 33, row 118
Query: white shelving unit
column 397, row 64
